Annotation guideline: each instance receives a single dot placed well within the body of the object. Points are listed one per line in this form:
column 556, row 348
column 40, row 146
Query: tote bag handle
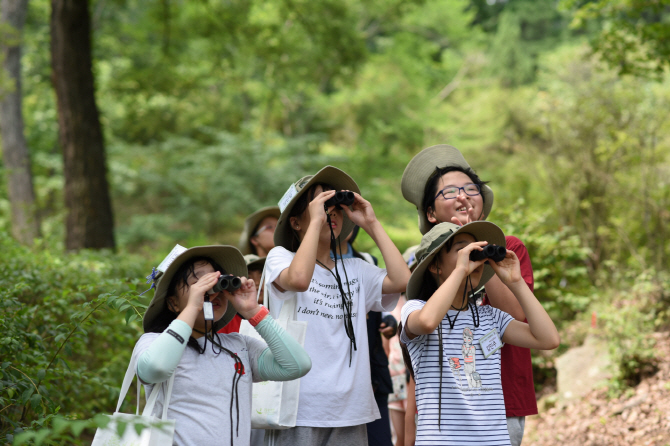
column 287, row 312
column 151, row 400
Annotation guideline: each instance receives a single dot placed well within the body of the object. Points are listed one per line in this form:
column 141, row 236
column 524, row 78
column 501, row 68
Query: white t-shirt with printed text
column 473, row 409
column 333, row 393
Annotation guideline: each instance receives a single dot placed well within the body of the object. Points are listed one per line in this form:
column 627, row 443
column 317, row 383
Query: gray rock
column 583, row 369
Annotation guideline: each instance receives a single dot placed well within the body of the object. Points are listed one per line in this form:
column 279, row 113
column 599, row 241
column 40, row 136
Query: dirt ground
column 638, row 418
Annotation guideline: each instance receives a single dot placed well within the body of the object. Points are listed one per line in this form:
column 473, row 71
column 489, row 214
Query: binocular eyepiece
column 493, row 252
column 341, row 197
column 226, row 282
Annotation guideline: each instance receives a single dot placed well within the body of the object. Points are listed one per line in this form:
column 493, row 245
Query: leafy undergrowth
column 68, row 323
column 639, row 417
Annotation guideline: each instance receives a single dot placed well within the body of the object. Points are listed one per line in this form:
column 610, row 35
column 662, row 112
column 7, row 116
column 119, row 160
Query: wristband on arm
column 259, row 316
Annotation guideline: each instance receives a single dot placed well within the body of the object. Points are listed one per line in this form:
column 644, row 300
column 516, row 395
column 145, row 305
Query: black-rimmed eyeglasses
column 451, row 192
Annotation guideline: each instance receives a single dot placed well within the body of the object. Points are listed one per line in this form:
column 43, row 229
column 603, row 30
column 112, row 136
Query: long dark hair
column 406, row 358
column 430, row 190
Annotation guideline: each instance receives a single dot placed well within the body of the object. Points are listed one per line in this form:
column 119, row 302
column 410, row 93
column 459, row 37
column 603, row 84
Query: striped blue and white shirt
column 473, row 409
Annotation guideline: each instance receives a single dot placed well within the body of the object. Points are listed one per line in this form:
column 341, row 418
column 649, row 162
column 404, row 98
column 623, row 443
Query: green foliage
column 182, row 189
column 603, row 151
column 413, row 59
column 634, row 35
column 525, row 30
column 627, row 318
column 58, row 314
column 559, row 261
column 211, row 109
column 62, row 430
column 224, row 65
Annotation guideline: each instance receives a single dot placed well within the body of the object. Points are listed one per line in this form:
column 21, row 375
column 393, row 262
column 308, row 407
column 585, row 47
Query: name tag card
column 288, row 196
column 178, row 249
column 208, row 310
column 490, row 343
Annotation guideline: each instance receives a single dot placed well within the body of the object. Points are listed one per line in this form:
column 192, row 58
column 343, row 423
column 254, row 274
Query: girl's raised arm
column 540, row 331
column 298, row 275
column 427, row 319
column 397, row 271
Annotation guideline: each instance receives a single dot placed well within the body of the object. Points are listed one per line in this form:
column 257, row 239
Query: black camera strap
column 464, row 302
column 347, row 304
column 239, row 371
column 471, row 302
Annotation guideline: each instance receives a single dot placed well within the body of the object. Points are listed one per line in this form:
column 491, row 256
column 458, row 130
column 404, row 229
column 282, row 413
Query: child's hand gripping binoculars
column 493, row 252
column 341, row 198
column 226, row 282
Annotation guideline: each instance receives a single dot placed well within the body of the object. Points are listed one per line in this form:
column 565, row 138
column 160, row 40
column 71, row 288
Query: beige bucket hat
column 437, row 237
column 330, row 175
column 228, row 257
column 250, row 224
column 420, row 169
column 253, row 261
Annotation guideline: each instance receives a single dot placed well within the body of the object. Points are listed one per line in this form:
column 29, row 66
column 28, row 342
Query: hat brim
column 409, row 256
column 228, row 257
column 482, row 231
column 256, row 264
column 336, row 178
column 420, row 169
column 250, row 224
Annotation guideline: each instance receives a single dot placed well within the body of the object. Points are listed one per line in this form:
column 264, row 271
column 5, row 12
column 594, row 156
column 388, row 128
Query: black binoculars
column 226, row 282
column 493, row 252
column 341, row 197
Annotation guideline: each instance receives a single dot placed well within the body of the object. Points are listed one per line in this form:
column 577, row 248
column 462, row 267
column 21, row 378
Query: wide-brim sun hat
column 254, row 262
column 228, row 257
column 433, row 241
column 250, row 224
column 422, row 167
column 332, row 176
column 409, row 256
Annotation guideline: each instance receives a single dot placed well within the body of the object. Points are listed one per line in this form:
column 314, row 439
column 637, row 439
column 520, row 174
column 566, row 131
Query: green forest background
column 212, row 108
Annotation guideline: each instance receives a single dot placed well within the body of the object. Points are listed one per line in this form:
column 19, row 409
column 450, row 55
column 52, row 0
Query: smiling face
column 218, row 300
column 301, row 222
column 443, row 210
column 445, row 263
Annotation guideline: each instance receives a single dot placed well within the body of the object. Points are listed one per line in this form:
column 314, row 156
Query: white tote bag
column 274, row 404
column 155, row 431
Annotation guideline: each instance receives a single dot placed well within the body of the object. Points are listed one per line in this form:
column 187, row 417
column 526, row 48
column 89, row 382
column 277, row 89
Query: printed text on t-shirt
column 328, row 304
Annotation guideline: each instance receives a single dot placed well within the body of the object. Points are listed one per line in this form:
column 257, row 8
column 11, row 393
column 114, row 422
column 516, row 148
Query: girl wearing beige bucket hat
column 197, row 292
column 442, row 324
column 444, row 188
column 333, row 296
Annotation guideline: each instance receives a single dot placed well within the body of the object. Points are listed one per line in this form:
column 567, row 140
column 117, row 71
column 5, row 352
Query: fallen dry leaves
column 639, row 418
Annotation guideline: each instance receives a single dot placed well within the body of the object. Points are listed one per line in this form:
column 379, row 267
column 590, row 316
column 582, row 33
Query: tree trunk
column 89, row 220
column 25, row 221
